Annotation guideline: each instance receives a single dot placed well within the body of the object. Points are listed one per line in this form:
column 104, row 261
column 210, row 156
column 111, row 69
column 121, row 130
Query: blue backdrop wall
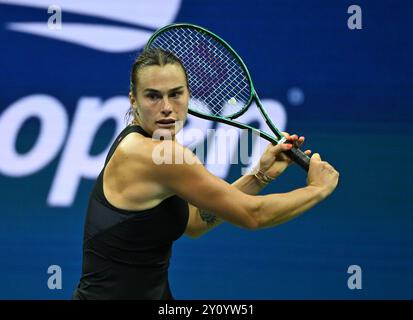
column 63, row 93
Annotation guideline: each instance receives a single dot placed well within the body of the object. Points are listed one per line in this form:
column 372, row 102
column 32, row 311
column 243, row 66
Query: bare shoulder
column 129, row 175
column 165, row 163
column 153, row 153
column 143, row 172
column 133, row 149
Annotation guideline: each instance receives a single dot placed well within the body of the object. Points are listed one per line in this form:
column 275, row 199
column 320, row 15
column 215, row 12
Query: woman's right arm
column 321, row 182
column 189, row 179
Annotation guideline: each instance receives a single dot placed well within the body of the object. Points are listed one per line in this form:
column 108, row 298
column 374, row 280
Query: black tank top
column 126, row 253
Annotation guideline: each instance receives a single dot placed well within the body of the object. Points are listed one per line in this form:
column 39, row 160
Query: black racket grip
column 298, row 157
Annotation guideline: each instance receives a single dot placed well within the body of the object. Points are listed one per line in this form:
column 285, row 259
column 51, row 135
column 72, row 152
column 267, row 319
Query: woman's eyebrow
column 176, row 89
column 157, row 91
column 151, row 90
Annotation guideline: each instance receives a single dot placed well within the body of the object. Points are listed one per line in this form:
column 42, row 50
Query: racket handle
column 298, row 157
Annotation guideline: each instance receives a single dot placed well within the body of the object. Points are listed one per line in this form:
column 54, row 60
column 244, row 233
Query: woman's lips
column 166, row 123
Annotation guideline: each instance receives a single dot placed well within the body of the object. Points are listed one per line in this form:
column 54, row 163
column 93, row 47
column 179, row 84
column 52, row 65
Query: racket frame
column 301, row 158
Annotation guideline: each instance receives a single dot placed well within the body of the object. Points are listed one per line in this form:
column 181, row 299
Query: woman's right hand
column 322, row 175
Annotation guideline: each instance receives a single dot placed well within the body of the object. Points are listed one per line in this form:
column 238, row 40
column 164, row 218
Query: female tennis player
column 140, row 204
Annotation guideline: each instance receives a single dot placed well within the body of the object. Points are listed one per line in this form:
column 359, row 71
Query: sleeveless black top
column 126, row 253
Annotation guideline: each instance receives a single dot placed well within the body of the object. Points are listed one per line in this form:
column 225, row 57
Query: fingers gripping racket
column 221, row 86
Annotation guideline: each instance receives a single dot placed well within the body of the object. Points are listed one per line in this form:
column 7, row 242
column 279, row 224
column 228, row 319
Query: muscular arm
column 202, row 221
column 211, row 194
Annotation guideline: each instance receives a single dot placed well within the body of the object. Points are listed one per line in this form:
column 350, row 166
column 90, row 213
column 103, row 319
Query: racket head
column 220, row 84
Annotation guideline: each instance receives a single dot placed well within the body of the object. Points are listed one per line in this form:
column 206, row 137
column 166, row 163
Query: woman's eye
column 176, row 94
column 153, row 96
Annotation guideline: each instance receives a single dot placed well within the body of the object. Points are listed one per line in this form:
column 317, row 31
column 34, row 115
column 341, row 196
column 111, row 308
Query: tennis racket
column 220, row 84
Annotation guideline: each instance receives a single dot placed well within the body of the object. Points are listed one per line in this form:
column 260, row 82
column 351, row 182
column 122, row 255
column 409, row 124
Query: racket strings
column 219, row 85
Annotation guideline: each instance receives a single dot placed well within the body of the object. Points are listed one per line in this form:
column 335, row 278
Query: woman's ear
column 133, row 103
column 132, row 100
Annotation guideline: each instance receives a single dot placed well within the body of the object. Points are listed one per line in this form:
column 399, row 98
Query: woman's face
column 161, row 99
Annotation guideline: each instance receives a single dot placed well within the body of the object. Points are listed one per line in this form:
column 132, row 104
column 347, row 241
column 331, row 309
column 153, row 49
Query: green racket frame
column 294, row 153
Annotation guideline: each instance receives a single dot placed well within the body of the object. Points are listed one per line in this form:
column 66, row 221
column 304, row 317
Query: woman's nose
column 166, row 106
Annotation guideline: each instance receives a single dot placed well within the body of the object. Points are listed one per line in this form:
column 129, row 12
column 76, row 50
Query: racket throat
column 282, row 140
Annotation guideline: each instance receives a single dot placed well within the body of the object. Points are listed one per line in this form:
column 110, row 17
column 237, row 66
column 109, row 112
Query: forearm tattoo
column 208, row 217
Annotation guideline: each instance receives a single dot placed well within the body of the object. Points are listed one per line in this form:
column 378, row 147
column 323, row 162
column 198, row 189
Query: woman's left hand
column 273, row 162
